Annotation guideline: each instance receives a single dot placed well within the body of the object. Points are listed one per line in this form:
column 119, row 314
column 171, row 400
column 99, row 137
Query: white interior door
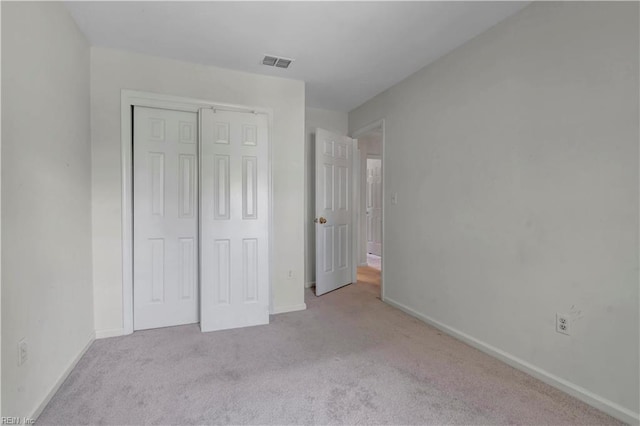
column 334, row 177
column 374, row 206
column 234, row 226
column 165, row 218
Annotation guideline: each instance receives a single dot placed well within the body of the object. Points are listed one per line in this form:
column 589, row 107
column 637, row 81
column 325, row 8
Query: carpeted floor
column 347, row 359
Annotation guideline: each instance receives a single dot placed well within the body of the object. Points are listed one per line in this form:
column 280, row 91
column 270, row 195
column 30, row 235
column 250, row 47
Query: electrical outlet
column 290, row 274
column 23, row 352
column 563, row 324
column 394, row 198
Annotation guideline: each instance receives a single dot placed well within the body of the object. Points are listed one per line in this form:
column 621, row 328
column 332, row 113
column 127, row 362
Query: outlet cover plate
column 563, row 324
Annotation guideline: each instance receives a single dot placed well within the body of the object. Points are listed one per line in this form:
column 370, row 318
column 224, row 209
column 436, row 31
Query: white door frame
column 129, row 99
column 356, row 248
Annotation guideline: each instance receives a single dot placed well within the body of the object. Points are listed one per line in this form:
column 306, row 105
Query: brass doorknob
column 322, row 220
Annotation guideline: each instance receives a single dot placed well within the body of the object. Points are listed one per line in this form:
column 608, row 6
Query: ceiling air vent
column 276, row 61
column 269, row 60
column 283, row 63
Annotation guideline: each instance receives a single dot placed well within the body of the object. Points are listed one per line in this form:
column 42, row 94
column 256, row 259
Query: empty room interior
column 320, row 212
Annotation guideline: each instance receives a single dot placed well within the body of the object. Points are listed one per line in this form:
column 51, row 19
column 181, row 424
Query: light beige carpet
column 347, row 359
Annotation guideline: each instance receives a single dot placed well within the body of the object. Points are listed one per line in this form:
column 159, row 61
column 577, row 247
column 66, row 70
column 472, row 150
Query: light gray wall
column 334, row 121
column 114, row 70
column 515, row 160
column 46, row 200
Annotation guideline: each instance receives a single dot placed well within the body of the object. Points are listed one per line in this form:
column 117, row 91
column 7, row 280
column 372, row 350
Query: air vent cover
column 283, row 63
column 269, row 60
column 276, row 61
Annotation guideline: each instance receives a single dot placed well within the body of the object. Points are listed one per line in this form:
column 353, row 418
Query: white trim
column 129, row 98
column 61, row 379
column 374, row 125
column 355, row 210
column 271, row 261
column 290, row 308
column 309, row 284
column 572, row 389
column 110, row 332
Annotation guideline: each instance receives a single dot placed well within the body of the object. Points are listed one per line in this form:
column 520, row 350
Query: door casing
column 129, row 99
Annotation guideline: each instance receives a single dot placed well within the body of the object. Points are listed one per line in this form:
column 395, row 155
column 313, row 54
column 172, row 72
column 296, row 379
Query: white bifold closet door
column 165, row 218
column 234, row 219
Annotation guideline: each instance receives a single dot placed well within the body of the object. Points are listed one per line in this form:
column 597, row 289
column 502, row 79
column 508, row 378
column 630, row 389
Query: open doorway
column 349, row 210
column 370, row 220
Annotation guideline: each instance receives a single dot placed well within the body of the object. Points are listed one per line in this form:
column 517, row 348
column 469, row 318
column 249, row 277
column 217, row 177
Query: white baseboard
column 110, row 332
column 62, row 378
column 309, row 284
column 290, row 308
column 584, row 395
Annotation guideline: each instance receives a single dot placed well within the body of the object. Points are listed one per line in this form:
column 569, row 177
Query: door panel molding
column 245, row 227
column 133, row 98
column 334, row 210
column 165, row 223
